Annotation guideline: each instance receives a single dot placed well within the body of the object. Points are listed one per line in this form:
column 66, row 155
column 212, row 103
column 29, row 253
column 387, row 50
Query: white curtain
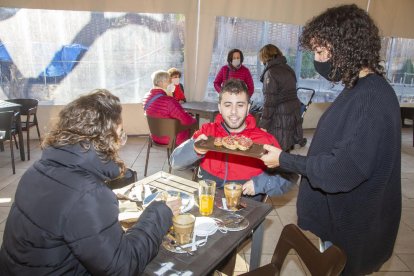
column 393, row 17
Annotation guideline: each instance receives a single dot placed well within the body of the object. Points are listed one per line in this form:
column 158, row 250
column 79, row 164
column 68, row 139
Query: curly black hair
column 352, row 38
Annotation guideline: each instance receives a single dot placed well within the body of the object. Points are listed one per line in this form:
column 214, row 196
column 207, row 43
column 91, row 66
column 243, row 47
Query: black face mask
column 325, row 68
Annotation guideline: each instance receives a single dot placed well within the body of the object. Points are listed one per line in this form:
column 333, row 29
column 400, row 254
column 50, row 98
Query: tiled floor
column 401, row 263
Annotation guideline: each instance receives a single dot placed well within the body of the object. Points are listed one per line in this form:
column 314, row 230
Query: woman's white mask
column 235, row 62
column 176, row 81
column 170, row 88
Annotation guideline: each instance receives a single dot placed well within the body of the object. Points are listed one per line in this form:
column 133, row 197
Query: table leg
column 198, row 119
column 257, row 243
column 213, row 116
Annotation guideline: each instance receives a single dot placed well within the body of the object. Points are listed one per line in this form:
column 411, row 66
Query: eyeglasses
column 123, row 138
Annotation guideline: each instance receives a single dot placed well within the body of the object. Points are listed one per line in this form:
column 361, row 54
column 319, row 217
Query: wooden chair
column 7, row 132
column 165, row 127
column 29, row 110
column 330, row 262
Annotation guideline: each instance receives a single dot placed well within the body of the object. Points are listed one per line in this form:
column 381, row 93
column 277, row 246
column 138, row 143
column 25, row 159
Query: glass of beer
column 206, row 192
column 183, row 228
column 232, row 192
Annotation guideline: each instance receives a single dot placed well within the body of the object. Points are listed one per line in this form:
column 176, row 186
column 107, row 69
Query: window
column 399, row 55
column 250, row 35
column 55, row 56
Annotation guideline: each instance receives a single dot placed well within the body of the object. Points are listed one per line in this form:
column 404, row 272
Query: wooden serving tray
column 255, row 151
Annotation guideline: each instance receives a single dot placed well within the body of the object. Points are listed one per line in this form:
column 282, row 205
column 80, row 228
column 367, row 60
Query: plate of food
column 187, row 201
column 232, row 144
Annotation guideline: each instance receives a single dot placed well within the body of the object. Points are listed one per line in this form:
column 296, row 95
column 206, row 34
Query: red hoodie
column 239, row 167
column 179, row 93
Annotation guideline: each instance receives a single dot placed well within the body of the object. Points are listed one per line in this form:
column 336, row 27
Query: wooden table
column 8, row 106
column 219, row 245
column 203, row 109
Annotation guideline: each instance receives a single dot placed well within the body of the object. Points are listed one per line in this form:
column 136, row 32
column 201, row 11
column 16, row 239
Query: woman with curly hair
column 65, row 218
column 350, row 192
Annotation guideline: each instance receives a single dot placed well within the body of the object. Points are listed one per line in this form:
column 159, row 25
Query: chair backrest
column 164, row 127
column 29, row 106
column 6, row 125
column 329, row 262
column 129, row 178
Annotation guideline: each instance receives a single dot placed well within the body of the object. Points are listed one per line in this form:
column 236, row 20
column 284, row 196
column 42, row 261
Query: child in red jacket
column 178, row 93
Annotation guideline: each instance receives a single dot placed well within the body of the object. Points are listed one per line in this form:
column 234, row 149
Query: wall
column 133, row 116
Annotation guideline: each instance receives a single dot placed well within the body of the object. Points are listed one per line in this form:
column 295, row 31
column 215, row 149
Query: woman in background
column 234, row 70
column 65, row 219
column 178, row 92
column 281, row 107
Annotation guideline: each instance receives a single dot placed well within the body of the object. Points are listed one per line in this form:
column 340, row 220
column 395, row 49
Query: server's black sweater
column 350, row 192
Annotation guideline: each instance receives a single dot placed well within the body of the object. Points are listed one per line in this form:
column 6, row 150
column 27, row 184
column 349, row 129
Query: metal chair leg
column 168, row 159
column 28, row 142
column 37, row 127
column 12, row 154
column 148, row 151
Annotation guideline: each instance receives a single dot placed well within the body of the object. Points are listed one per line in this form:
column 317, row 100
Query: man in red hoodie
column 234, row 119
column 158, row 104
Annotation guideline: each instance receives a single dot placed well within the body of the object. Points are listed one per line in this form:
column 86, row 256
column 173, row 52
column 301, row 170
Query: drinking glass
column 183, row 228
column 233, row 192
column 206, row 192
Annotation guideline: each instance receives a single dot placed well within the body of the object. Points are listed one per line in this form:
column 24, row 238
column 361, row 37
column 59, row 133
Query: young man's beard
column 241, row 124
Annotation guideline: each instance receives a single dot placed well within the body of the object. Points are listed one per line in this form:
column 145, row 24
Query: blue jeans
column 323, row 245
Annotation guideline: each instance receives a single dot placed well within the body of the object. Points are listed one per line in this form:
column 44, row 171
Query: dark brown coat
column 281, row 110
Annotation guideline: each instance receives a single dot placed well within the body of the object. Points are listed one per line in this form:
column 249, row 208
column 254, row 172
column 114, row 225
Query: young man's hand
column 198, row 150
column 248, row 188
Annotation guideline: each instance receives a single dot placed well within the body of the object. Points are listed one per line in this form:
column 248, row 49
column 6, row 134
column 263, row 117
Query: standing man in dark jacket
column 350, row 194
column 65, row 219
